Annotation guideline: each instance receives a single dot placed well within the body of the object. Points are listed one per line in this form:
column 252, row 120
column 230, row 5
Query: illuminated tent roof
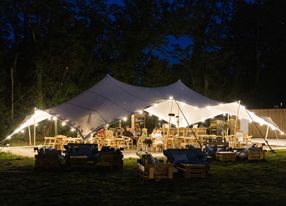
column 110, row 100
column 189, row 114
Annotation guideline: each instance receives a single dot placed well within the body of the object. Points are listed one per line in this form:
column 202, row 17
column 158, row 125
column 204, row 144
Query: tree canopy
column 51, row 50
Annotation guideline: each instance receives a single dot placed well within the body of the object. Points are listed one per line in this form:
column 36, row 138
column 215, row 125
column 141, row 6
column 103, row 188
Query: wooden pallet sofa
column 150, row 168
column 251, row 152
column 190, row 162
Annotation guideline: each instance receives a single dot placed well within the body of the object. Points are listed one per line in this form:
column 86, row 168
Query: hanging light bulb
column 124, row 119
column 171, row 97
column 72, row 129
column 22, row 131
column 55, row 118
column 64, row 123
column 140, row 112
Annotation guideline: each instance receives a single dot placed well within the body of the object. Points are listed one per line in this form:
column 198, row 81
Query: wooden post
column 30, row 137
column 120, row 124
column 235, row 126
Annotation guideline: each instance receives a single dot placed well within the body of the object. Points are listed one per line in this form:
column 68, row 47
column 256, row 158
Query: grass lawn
column 235, row 183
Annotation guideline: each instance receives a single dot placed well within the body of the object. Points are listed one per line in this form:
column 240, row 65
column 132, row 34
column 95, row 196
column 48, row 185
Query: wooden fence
column 277, row 115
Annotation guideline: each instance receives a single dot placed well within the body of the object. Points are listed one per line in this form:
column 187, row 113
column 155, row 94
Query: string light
column 22, row 131
column 140, row 112
column 72, row 129
column 64, row 123
column 124, row 119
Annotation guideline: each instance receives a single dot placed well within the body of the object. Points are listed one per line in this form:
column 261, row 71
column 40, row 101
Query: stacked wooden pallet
column 226, row 156
column 193, row 170
column 256, row 155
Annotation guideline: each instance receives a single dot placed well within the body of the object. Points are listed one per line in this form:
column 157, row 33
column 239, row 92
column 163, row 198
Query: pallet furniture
column 47, row 159
column 226, row 156
column 190, row 162
column 193, row 170
column 150, row 168
column 256, row 154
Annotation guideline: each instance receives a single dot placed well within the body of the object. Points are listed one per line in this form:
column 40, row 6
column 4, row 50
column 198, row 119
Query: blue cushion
column 180, row 158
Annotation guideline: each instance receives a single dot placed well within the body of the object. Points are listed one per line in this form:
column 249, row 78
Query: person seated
column 157, row 138
column 101, row 132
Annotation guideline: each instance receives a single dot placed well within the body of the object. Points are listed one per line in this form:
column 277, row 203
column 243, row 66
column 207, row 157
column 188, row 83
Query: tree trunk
column 12, row 71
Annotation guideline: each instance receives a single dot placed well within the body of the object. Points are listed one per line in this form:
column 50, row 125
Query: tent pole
column 189, row 125
column 35, row 126
column 267, row 130
column 30, row 137
column 259, row 131
column 235, row 125
column 168, row 131
column 56, row 126
column 120, row 124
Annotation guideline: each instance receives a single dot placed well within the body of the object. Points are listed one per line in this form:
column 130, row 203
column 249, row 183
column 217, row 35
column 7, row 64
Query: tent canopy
column 189, row 114
column 110, row 100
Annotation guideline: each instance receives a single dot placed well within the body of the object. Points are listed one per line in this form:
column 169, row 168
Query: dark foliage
column 54, row 49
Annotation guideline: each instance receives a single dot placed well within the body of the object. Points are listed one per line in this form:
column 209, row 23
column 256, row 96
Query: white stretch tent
column 189, row 114
column 35, row 118
column 111, row 100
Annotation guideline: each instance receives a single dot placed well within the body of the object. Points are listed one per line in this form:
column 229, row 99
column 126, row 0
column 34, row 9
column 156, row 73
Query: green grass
column 236, row 183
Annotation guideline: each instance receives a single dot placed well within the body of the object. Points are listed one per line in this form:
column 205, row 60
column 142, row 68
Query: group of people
column 155, row 139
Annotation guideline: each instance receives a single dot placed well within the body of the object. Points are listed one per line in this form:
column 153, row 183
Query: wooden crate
column 256, row 155
column 155, row 171
column 193, row 170
column 226, row 156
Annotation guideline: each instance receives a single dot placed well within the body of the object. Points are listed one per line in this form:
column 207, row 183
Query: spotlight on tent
column 171, row 97
column 55, row 118
column 9, row 137
column 140, row 112
column 36, row 124
column 282, row 133
column 124, row 119
column 72, row 129
column 208, row 107
column 64, row 123
column 22, row 131
column 155, row 105
column 150, row 114
column 195, row 108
